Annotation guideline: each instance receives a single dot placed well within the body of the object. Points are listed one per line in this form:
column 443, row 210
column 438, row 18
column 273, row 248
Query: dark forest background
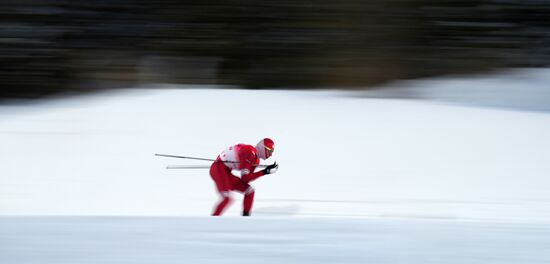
column 54, row 46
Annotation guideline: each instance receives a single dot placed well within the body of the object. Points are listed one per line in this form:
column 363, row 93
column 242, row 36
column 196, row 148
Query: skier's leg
column 248, row 201
column 221, row 176
column 226, row 200
column 248, row 192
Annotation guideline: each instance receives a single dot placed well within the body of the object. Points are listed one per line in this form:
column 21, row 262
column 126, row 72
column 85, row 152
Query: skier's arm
column 253, row 176
column 247, row 172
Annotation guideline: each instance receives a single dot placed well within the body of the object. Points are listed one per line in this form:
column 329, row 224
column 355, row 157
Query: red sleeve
column 252, row 176
column 249, row 160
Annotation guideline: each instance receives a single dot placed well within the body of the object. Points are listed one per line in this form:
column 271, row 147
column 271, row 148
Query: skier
column 241, row 159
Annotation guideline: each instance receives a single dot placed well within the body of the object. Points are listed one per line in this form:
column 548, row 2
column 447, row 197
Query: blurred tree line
column 59, row 45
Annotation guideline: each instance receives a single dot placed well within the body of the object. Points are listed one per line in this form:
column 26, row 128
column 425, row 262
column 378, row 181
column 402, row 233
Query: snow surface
column 68, row 240
column 520, row 89
column 360, row 180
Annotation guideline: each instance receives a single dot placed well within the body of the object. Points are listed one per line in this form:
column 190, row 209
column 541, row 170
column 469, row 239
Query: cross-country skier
column 241, row 159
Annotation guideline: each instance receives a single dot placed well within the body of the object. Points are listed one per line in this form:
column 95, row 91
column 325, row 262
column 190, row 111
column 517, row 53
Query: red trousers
column 226, row 182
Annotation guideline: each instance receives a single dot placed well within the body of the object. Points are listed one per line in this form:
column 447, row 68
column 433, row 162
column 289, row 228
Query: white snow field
column 68, row 240
column 361, row 179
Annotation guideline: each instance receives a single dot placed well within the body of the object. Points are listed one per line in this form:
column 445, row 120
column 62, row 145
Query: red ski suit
column 240, row 157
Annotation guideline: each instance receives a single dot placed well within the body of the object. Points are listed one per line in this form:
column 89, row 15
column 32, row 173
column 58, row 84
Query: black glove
column 271, row 168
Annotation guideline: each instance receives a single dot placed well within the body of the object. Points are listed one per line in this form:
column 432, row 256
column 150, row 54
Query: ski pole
column 197, row 166
column 187, row 167
column 193, row 158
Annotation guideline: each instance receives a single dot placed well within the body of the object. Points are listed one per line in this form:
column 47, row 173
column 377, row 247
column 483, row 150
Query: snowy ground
column 362, row 179
column 518, row 89
column 68, row 240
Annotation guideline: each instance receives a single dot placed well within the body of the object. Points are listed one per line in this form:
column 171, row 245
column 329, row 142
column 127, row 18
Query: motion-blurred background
column 47, row 47
column 367, row 174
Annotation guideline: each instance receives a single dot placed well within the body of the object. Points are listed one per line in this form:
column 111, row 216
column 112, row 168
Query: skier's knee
column 249, row 190
column 225, row 194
